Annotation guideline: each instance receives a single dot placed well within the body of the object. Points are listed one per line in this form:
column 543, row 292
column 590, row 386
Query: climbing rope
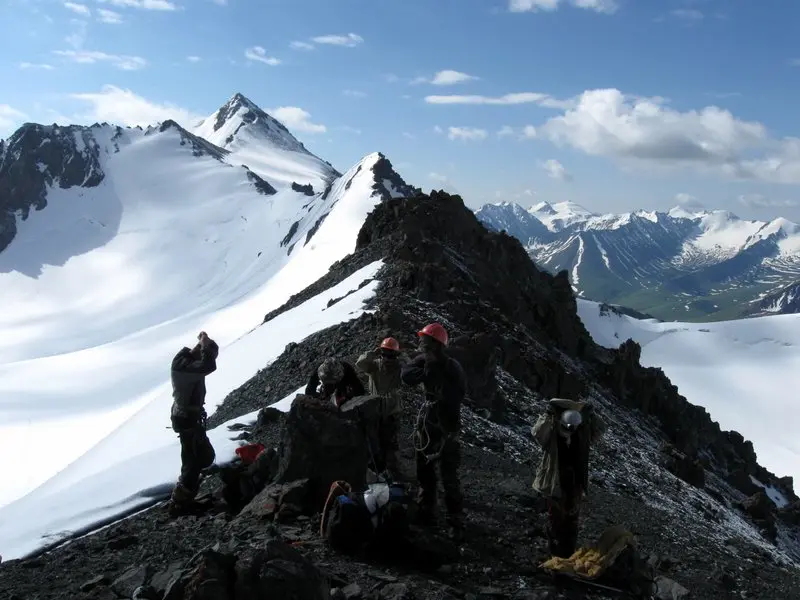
column 422, row 438
column 343, row 488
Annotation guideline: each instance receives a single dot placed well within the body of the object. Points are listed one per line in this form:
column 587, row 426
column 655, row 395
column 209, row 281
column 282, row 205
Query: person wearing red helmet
column 438, row 426
column 382, row 366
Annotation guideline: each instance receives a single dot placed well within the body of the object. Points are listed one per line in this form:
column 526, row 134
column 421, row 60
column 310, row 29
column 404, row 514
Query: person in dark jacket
column 335, row 379
column 188, row 374
column 438, row 426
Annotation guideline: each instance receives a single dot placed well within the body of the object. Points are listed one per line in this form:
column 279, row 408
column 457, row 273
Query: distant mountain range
column 686, row 264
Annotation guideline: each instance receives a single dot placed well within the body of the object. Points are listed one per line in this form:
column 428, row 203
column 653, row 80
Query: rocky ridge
column 665, row 471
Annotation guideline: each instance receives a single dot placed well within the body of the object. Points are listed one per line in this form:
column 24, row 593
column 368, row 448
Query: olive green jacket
column 544, row 432
column 384, row 379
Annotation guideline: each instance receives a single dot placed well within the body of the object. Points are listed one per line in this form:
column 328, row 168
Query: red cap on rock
column 436, row 331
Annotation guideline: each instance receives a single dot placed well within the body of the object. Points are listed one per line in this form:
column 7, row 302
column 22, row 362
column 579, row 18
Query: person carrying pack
column 566, row 432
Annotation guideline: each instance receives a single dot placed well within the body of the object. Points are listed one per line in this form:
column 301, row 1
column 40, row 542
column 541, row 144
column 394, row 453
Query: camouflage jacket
column 544, row 432
column 384, row 378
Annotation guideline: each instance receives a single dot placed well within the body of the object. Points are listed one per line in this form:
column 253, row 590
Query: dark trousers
column 449, row 463
column 562, row 524
column 197, row 453
column 387, row 446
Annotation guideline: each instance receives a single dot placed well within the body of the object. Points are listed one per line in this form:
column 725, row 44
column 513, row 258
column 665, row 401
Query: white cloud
column 446, row 77
column 646, row 132
column 81, row 9
column 408, row 135
column 438, row 130
column 220, row 2
column 44, row 66
column 438, row 177
column 762, row 201
column 143, row 4
column 296, row 119
column 795, row 62
column 528, row 132
column 122, row 62
column 687, row 14
column 556, row 170
column 609, row 123
column 466, row 133
column 354, row 93
column 600, row 6
column 350, row 40
column 509, row 99
column 257, row 53
column 109, row 16
column 193, row 59
column 301, row 46
column 123, row 107
column 10, row 118
column 390, row 78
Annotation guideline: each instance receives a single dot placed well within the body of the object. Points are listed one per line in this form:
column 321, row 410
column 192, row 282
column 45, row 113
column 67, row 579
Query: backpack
column 346, row 523
column 388, row 505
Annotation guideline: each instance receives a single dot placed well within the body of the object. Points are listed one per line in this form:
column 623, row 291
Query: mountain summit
column 264, row 144
column 241, row 118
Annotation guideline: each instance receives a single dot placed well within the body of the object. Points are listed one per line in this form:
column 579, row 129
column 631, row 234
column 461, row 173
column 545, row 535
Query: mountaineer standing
column 566, row 432
column 438, row 426
column 383, row 366
column 188, row 415
column 335, row 379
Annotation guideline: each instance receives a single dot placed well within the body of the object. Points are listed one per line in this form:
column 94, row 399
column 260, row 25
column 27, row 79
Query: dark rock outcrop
column 761, row 509
column 200, row 146
column 262, row 185
column 321, row 446
column 306, row 189
column 38, row 156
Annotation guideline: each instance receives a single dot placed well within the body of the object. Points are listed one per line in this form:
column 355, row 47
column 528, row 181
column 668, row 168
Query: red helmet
column 436, row 331
column 391, row 344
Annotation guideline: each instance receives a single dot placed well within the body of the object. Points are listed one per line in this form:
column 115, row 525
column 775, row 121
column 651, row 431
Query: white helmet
column 570, row 420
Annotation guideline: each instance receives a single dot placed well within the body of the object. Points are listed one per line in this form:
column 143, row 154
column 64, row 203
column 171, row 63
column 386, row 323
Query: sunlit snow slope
column 102, row 286
column 128, row 467
column 746, row 373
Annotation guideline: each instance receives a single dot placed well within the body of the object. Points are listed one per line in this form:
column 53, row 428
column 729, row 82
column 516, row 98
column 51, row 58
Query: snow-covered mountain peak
column 241, row 122
column 560, row 215
column 543, row 208
column 263, row 144
column 514, row 220
column 377, row 173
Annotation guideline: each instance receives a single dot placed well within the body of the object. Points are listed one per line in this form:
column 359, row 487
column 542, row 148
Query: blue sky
column 613, row 104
